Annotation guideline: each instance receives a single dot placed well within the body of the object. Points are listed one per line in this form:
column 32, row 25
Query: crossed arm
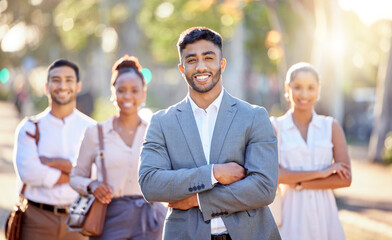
column 225, row 174
column 30, row 165
column 64, row 165
column 159, row 182
column 337, row 175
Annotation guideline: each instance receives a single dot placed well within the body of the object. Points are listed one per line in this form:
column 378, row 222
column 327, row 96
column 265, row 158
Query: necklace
column 121, row 129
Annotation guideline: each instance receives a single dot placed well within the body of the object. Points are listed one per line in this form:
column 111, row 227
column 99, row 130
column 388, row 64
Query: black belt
column 221, row 237
column 50, row 208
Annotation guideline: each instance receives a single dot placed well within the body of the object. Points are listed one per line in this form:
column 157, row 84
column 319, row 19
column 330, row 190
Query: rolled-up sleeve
column 27, row 162
column 80, row 174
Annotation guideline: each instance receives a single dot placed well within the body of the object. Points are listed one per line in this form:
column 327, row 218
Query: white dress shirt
column 205, row 121
column 58, row 138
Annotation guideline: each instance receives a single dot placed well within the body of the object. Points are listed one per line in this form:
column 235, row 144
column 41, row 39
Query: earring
column 286, row 95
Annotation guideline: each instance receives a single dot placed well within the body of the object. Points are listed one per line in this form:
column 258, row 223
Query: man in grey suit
column 212, row 157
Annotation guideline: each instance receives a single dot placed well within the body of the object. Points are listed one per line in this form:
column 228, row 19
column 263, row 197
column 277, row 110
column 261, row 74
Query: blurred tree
column 164, row 21
column 382, row 109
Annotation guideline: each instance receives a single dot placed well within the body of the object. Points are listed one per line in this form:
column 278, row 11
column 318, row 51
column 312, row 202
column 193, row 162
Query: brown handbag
column 14, row 220
column 13, row 224
column 87, row 214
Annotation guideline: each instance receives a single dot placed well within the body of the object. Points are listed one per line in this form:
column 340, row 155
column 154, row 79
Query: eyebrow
column 57, row 76
column 204, row 53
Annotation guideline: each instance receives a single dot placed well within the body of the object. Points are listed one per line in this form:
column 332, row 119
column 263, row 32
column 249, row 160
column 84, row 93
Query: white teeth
column 201, row 77
column 127, row 104
column 62, row 93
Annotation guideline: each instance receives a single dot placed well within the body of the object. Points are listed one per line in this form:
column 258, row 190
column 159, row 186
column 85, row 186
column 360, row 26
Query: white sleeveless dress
column 307, row 214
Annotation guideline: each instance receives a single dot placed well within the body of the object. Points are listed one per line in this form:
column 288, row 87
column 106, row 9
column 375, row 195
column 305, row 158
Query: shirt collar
column 66, row 120
column 287, row 120
column 216, row 103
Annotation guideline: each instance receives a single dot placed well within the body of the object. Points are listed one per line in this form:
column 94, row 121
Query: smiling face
column 129, row 92
column 62, row 86
column 202, row 66
column 303, row 91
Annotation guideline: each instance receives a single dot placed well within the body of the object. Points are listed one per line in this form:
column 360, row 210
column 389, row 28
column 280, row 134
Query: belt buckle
column 56, row 210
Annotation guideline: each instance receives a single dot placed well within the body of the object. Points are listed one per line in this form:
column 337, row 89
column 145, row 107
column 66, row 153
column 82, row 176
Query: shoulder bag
column 14, row 220
column 87, row 214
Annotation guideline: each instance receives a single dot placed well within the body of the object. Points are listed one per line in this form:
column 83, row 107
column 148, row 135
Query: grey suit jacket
column 173, row 167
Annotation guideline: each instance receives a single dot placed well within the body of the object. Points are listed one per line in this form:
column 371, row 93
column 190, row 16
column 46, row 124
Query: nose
column 62, row 84
column 201, row 66
column 128, row 94
column 304, row 93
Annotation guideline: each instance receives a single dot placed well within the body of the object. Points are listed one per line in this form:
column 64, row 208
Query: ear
column 144, row 94
column 78, row 87
column 318, row 91
column 223, row 64
column 181, row 67
column 47, row 88
column 286, row 91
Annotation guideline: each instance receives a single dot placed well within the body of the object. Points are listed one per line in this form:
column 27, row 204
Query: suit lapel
column 189, row 128
column 226, row 113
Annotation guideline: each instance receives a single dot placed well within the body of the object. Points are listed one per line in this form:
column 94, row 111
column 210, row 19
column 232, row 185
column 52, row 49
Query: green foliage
column 163, row 22
column 89, row 18
column 4, row 94
column 103, row 109
column 257, row 27
column 84, row 17
column 39, row 102
column 387, row 152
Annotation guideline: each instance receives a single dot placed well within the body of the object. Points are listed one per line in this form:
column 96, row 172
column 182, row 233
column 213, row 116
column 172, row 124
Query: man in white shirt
column 44, row 162
column 212, row 157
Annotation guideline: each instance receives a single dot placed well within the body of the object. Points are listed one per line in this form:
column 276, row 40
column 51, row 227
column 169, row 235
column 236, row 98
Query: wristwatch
column 89, row 189
column 299, row 186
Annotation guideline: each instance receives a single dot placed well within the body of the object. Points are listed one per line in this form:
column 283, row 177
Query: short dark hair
column 194, row 34
column 64, row 62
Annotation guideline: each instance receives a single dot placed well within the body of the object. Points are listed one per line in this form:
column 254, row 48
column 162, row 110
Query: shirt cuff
column 213, row 180
column 198, row 201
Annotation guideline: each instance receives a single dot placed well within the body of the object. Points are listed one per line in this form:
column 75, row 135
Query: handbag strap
column 36, row 137
column 101, row 156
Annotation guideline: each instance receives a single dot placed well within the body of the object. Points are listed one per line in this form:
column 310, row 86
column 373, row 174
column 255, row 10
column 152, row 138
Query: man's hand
column 64, row 178
column 228, row 173
column 185, row 204
column 61, row 164
column 102, row 192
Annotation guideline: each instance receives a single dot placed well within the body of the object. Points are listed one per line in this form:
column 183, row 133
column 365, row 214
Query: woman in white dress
column 313, row 160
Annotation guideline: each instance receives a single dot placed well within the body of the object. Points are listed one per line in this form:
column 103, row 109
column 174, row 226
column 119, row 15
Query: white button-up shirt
column 121, row 160
column 58, row 139
column 205, row 121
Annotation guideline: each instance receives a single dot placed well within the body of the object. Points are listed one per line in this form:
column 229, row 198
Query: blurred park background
column 348, row 41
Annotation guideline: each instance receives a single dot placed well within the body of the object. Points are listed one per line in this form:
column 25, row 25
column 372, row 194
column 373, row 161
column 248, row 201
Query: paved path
column 8, row 122
column 365, row 208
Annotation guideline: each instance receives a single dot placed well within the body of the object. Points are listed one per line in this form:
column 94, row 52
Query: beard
column 203, row 89
column 61, row 101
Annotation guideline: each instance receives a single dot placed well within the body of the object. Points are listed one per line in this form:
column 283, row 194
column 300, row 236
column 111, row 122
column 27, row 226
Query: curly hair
column 124, row 65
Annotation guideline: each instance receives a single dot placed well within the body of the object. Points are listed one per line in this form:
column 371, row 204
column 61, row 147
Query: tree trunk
column 382, row 111
column 327, row 57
